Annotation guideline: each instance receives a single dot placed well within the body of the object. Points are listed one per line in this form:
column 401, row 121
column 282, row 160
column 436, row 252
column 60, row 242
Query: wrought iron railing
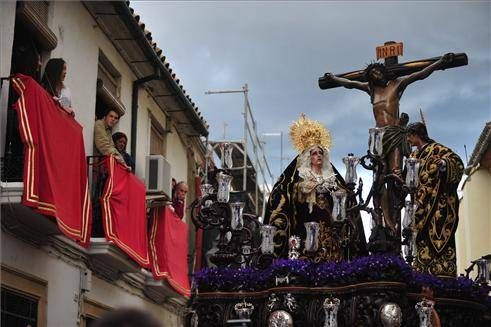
column 12, row 168
column 97, row 175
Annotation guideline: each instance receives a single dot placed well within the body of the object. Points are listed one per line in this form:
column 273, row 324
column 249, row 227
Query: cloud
column 281, row 48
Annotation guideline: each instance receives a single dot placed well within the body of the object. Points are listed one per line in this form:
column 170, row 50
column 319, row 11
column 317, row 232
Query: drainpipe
column 134, row 107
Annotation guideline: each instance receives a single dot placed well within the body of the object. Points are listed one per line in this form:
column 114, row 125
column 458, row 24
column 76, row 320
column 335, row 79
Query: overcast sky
column 280, row 49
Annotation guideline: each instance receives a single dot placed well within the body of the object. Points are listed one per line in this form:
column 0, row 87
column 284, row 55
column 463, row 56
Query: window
column 18, row 309
column 108, row 88
column 157, row 138
column 34, row 15
column 109, row 75
column 92, row 311
column 23, row 299
column 32, row 37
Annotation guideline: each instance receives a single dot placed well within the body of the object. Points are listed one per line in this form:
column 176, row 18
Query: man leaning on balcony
column 103, row 140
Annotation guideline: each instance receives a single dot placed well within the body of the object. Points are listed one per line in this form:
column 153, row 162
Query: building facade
column 473, row 237
column 112, row 63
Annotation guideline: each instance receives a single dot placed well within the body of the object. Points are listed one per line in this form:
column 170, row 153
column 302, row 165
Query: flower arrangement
column 332, row 274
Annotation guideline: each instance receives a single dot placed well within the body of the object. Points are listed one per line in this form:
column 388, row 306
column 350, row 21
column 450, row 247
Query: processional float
column 250, row 286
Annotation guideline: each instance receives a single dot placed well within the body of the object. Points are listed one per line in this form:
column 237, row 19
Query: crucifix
column 385, row 83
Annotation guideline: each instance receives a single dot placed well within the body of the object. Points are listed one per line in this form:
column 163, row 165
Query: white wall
column 7, row 21
column 63, row 281
column 473, row 237
column 176, row 155
column 115, row 297
column 146, row 105
column 62, row 278
column 79, row 41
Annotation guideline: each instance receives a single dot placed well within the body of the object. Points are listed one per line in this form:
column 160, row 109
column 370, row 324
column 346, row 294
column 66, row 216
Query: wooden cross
column 392, row 65
column 385, row 84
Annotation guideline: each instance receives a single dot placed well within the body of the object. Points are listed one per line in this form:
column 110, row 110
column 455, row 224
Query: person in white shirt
column 52, row 81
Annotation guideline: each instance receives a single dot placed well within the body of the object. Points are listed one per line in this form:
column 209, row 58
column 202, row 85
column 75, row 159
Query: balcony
column 108, row 261
column 159, row 290
column 104, row 258
column 18, row 219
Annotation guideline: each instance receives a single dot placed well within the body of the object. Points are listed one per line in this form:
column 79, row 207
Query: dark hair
column 128, row 318
column 25, row 60
column 113, row 110
column 383, row 69
column 119, row 135
column 419, row 129
column 403, row 119
column 52, row 75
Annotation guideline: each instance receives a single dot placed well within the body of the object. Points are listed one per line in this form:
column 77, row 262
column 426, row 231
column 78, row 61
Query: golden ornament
column 306, row 133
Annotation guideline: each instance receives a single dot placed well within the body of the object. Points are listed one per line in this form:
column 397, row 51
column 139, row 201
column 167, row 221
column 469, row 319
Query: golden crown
column 306, row 133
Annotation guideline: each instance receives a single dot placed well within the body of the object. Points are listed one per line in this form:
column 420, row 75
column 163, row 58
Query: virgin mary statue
column 303, row 193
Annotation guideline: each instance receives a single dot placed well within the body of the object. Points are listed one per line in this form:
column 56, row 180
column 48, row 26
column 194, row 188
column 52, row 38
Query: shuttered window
column 157, row 139
column 109, row 75
column 34, row 16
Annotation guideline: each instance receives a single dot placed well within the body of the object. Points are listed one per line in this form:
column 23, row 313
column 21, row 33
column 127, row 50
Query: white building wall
column 62, row 278
column 473, row 237
column 116, row 297
column 146, row 107
column 7, row 22
column 79, row 41
column 176, row 155
column 63, row 284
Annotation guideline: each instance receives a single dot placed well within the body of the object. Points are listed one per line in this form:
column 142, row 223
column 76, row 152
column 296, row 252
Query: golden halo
column 306, row 133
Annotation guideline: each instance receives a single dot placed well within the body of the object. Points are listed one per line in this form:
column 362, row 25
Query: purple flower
column 364, row 269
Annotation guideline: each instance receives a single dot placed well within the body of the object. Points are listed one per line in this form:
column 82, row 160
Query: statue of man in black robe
column 436, row 217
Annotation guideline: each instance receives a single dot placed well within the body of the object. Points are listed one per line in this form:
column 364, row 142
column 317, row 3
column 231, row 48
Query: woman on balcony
column 120, row 140
column 52, row 81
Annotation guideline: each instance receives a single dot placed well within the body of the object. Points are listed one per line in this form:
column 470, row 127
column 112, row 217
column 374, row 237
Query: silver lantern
column 483, row 271
column 410, row 249
column 226, row 152
column 412, row 174
column 267, row 245
column 224, row 181
column 409, row 211
column 375, row 140
column 351, row 162
column 237, row 219
column 339, row 205
column 312, row 240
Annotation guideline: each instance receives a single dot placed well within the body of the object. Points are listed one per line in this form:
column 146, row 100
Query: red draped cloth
column 55, row 169
column 168, row 245
column 124, row 212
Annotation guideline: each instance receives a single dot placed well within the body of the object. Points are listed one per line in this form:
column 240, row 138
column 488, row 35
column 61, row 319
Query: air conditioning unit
column 157, row 175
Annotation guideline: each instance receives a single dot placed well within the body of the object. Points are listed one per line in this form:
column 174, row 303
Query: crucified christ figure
column 385, row 91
